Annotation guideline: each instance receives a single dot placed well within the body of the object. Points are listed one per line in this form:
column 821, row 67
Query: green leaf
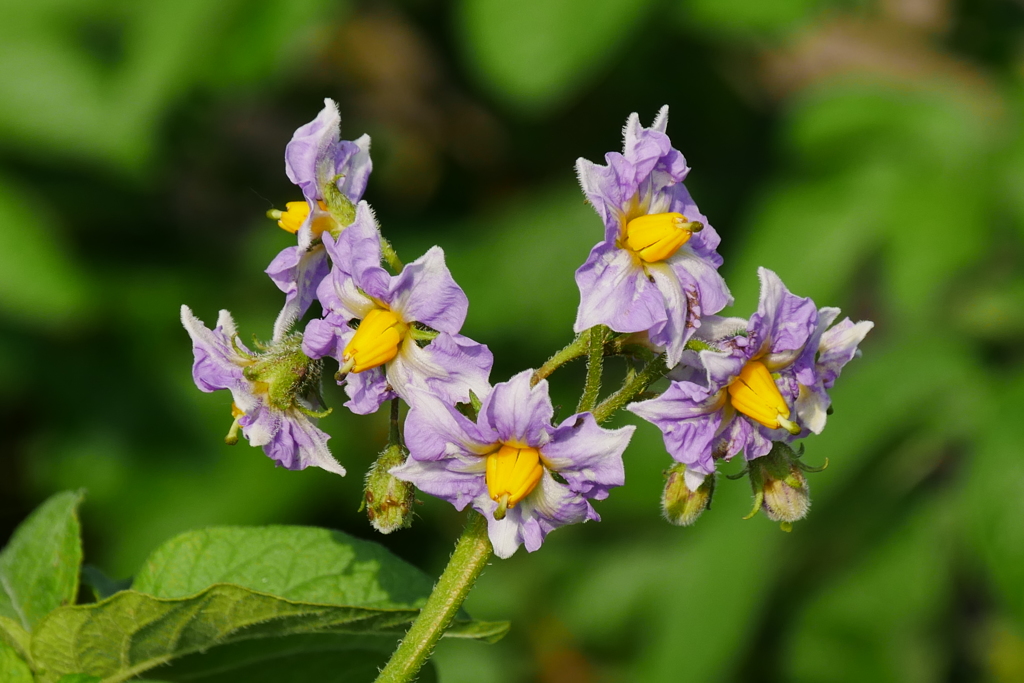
column 304, row 564
column 537, row 54
column 39, row 567
column 747, row 18
column 79, row 678
column 320, row 658
column 13, row 668
column 228, row 585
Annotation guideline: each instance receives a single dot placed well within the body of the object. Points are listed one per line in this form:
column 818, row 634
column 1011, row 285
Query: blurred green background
column 870, row 152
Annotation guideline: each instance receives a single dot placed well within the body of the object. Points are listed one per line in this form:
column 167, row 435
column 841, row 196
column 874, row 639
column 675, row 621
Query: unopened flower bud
column 680, row 505
column 780, row 488
column 389, row 500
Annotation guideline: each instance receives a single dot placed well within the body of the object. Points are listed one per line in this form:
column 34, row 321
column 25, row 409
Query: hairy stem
column 577, row 348
column 635, row 386
column 390, row 255
column 469, row 558
column 595, row 363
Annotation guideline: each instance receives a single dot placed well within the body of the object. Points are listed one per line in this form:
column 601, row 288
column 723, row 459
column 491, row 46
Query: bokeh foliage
column 870, row 152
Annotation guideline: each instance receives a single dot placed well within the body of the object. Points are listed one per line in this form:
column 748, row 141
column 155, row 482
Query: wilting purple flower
column 524, row 475
column 271, row 392
column 315, row 158
column 657, row 269
column 383, row 356
column 765, row 380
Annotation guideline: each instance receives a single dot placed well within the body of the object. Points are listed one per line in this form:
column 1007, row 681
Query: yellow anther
column 292, row 218
column 512, row 473
column 755, row 394
column 375, row 342
column 657, row 236
column 296, row 213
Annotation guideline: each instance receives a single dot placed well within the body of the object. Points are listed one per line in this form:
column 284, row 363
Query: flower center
column 296, row 213
column 657, row 236
column 512, row 473
column 375, row 342
column 754, row 394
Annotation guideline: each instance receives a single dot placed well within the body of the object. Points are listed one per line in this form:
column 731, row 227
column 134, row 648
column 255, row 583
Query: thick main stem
column 469, row 558
column 595, row 363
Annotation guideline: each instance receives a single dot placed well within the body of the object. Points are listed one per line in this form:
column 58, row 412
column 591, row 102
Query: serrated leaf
column 537, row 53
column 39, row 567
column 13, row 668
column 79, row 678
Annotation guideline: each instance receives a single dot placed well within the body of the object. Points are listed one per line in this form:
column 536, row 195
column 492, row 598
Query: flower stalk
column 467, row 562
column 595, row 362
column 633, row 387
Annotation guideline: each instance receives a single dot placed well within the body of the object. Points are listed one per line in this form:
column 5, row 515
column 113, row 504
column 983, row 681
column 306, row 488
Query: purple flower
column 315, row 159
column 408, row 329
column 271, row 392
column 765, row 380
column 524, row 475
column 657, row 269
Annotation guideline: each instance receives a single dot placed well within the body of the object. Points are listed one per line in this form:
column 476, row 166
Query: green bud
column 780, row 488
column 389, row 500
column 679, row 504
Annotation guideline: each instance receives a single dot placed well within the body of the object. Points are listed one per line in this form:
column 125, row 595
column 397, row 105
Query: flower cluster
column 650, row 292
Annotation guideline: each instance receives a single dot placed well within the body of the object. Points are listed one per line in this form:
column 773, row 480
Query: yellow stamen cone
column 292, row 218
column 512, row 473
column 755, row 394
column 657, row 236
column 375, row 342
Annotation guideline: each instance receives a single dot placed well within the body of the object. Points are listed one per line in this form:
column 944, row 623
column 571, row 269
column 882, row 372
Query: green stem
column 575, row 349
column 595, row 362
column 469, row 558
column 395, row 433
column 390, row 255
column 651, row 373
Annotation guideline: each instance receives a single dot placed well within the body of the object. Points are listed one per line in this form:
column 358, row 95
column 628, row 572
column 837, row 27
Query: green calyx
column 679, row 504
column 286, row 374
column 387, row 499
column 779, row 485
column 343, row 211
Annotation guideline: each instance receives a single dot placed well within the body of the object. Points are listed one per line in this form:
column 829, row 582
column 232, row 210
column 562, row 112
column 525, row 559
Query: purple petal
column 548, row 507
column 425, row 292
column 367, row 390
column 299, row 444
column 326, row 337
column 588, row 456
column 457, row 479
column 689, row 417
column 309, row 145
column 435, row 430
column 783, row 322
column 601, row 186
column 298, row 273
column 839, row 346
column 518, row 413
column 217, row 365
column 356, row 255
column 450, row 367
column 352, row 161
column 615, row 291
column 681, row 307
